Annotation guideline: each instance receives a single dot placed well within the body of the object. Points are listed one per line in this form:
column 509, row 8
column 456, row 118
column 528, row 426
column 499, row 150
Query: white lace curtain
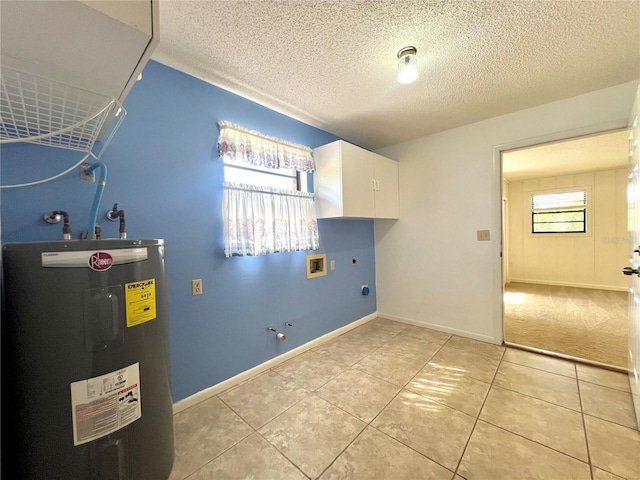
column 261, row 220
column 262, row 150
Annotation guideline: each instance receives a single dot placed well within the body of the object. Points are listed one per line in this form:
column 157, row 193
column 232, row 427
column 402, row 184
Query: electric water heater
column 85, row 361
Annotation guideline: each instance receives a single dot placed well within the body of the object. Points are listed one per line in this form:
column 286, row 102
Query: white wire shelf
column 37, row 110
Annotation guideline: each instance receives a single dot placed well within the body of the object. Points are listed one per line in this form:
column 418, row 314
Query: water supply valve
column 55, row 217
column 279, row 335
column 114, row 214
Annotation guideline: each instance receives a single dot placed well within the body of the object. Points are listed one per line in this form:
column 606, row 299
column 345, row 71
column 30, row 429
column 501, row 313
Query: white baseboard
column 209, row 392
column 568, row 284
column 440, row 328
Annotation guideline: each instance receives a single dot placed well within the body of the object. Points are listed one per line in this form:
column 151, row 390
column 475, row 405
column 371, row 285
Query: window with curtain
column 262, row 208
column 562, row 212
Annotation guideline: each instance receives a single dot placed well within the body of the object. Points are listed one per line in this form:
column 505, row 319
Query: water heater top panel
column 77, row 245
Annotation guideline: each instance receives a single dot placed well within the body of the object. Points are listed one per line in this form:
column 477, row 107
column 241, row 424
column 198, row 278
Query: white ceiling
column 597, row 152
column 332, row 63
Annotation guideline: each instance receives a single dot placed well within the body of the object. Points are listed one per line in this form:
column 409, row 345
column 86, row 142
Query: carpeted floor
column 581, row 322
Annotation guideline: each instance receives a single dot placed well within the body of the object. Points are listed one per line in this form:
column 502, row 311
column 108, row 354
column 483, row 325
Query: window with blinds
column 237, row 171
column 564, row 212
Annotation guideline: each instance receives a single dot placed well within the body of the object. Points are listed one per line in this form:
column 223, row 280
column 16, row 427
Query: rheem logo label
column 100, row 261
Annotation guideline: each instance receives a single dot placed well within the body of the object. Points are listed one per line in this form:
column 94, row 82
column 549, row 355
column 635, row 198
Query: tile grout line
column 466, row 445
column 537, row 442
column 315, row 389
column 584, row 425
column 366, row 424
column 236, row 413
column 344, row 449
column 466, row 376
column 633, row 429
column 537, row 368
column 277, row 416
column 403, row 387
column 592, row 415
column 412, row 449
column 225, row 449
column 581, row 412
column 222, row 452
column 434, row 401
column 605, row 386
column 502, row 359
column 369, row 424
column 282, row 453
column 561, row 406
column 473, row 351
column 537, row 398
column 530, row 439
column 375, row 349
column 314, row 393
column 257, row 430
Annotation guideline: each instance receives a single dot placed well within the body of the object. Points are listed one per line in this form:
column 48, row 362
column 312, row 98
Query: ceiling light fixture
column 407, row 65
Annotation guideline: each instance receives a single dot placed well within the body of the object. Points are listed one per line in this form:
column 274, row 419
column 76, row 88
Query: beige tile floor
column 392, row 401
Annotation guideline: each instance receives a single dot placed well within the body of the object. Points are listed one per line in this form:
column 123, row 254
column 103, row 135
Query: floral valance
column 261, row 150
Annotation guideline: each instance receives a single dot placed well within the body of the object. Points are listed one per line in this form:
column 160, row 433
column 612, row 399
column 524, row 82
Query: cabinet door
column 357, row 182
column 386, row 195
column 327, row 181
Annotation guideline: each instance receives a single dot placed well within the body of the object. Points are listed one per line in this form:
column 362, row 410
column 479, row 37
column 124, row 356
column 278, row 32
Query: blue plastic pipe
column 102, row 181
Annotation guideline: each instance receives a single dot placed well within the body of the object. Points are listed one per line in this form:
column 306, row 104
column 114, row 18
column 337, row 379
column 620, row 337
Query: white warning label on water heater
column 101, row 405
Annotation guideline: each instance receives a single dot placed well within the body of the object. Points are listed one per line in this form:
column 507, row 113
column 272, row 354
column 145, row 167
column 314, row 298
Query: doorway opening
column 565, row 240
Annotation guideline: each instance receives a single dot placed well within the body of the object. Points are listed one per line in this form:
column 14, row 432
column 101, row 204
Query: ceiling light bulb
column 407, row 65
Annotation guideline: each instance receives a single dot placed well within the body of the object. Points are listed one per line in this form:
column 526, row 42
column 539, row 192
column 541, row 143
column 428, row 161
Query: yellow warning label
column 141, row 301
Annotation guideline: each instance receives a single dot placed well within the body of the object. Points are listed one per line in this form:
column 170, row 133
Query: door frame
column 499, row 256
column 505, row 239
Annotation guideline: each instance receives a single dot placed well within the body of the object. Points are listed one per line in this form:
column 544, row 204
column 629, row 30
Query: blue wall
column 164, row 171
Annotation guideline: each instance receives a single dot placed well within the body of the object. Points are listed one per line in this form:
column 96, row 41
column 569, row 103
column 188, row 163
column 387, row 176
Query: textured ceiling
column 597, row 152
column 332, row 63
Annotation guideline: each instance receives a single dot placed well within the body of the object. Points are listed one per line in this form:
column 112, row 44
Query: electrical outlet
column 196, row 286
column 484, row 235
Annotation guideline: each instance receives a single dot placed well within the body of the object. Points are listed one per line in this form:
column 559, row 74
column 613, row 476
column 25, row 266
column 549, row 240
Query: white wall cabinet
column 351, row 182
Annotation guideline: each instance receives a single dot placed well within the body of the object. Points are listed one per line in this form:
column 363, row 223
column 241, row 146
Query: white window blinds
column 559, row 201
column 562, row 212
